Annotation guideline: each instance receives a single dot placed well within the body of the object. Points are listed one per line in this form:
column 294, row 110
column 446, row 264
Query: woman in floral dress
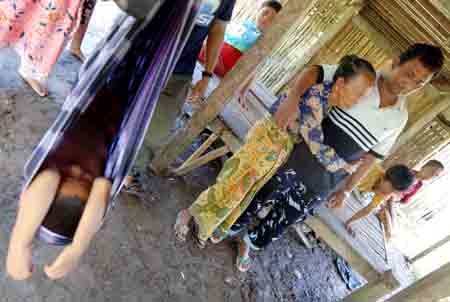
column 38, row 31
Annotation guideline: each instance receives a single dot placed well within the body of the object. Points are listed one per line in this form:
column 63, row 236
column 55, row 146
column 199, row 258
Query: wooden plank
column 210, row 156
column 430, row 249
column 375, row 290
column 193, row 158
column 292, row 11
column 432, row 288
column 343, row 249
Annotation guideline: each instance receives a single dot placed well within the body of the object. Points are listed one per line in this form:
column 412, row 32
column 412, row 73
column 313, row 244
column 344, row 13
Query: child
column 430, row 170
column 396, row 179
column 266, row 149
column 66, row 201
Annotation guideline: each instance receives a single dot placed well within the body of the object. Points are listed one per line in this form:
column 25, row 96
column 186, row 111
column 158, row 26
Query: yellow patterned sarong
column 267, row 147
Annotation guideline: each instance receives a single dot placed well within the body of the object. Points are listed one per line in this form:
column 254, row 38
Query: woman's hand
column 352, row 167
column 337, row 200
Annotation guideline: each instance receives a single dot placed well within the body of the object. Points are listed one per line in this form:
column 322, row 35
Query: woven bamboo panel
column 425, row 143
column 404, row 22
column 297, row 46
column 350, row 40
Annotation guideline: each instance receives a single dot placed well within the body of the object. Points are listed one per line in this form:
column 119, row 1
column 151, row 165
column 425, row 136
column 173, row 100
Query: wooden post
column 432, row 288
column 373, row 291
column 182, row 138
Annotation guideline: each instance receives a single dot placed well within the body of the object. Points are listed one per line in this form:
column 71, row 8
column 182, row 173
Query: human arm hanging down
column 288, row 109
column 89, row 225
column 214, row 43
column 364, row 212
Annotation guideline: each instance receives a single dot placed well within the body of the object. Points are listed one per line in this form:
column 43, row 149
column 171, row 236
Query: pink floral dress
column 38, row 30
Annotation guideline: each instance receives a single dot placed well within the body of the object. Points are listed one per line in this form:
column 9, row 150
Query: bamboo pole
column 293, row 10
column 432, row 288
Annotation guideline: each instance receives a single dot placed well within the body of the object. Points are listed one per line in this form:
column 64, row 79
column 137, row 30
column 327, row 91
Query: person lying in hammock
column 251, row 170
column 66, row 201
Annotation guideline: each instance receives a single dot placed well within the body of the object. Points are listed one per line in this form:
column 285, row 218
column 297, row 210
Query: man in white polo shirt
column 367, row 131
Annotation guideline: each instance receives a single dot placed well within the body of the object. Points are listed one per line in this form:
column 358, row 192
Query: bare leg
column 34, row 205
column 75, row 45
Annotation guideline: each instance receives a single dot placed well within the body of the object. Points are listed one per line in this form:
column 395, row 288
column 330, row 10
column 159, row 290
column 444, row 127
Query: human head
column 267, row 13
column 397, row 178
column 65, row 212
column 430, row 170
column 414, row 68
column 352, row 80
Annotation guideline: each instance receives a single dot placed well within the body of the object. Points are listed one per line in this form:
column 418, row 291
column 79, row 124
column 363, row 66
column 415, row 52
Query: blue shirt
column 208, row 12
column 242, row 36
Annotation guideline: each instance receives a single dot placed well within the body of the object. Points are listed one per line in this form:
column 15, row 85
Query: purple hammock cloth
column 135, row 60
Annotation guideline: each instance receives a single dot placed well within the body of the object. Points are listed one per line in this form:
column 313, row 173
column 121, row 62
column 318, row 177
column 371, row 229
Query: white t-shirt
column 373, row 128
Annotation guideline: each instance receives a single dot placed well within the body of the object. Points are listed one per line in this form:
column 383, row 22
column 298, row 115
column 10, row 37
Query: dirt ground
column 135, row 257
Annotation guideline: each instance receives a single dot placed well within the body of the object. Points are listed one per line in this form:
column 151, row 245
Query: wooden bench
column 367, row 253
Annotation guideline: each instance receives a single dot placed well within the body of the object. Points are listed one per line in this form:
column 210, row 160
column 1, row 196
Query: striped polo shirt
column 374, row 129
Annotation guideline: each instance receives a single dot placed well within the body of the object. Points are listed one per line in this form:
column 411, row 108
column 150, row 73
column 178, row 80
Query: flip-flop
column 181, row 228
column 35, row 85
column 201, row 244
column 243, row 263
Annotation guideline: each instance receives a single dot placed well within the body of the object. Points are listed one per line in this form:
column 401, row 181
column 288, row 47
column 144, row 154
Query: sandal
column 133, row 185
column 243, row 262
column 181, row 226
column 201, row 244
column 37, row 87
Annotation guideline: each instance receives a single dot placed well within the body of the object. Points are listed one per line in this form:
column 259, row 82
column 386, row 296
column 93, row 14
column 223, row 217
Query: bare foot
column 19, row 262
column 181, row 226
column 37, row 86
column 64, row 264
column 77, row 53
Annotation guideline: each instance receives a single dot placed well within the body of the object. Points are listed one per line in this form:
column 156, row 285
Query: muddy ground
column 135, row 257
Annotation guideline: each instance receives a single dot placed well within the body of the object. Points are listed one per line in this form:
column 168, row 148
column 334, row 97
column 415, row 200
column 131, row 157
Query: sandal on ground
column 201, row 244
column 37, row 86
column 181, row 226
column 243, row 262
column 132, row 185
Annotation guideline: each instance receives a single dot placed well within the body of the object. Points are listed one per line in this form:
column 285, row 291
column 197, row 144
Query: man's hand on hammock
column 199, row 90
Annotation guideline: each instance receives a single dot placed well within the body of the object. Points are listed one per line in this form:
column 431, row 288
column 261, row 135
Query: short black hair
column 64, row 216
column 276, row 5
column 434, row 164
column 430, row 56
column 352, row 65
column 400, row 177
